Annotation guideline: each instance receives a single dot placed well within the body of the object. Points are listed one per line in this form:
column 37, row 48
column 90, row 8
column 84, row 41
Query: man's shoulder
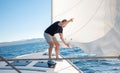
column 56, row 22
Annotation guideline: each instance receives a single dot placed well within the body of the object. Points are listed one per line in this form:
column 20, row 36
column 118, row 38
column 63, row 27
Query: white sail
column 96, row 25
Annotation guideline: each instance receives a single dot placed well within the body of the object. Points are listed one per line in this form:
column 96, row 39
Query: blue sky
column 23, row 19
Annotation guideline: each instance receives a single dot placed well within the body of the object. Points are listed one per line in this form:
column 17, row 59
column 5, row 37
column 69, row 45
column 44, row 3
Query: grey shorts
column 50, row 38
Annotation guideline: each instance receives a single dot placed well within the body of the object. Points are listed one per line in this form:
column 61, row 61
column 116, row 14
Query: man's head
column 64, row 22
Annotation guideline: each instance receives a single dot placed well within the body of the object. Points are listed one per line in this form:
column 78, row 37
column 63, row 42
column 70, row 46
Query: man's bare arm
column 61, row 37
column 68, row 21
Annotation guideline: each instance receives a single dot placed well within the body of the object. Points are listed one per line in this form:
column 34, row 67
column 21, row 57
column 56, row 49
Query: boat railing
column 84, row 58
column 33, row 59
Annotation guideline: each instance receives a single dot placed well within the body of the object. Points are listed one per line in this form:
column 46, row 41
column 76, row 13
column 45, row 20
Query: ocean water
column 87, row 66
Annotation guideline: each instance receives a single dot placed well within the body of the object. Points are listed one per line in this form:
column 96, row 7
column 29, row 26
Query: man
column 49, row 33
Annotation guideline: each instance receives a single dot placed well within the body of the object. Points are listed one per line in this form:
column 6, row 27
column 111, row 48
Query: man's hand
column 67, row 45
column 71, row 20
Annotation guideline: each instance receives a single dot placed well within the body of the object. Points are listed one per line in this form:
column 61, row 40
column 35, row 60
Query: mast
column 51, row 11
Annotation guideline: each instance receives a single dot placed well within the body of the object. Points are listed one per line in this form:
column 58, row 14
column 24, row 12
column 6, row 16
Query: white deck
column 61, row 66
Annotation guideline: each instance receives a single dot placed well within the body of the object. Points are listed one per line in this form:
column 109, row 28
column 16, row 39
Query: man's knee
column 51, row 44
column 57, row 45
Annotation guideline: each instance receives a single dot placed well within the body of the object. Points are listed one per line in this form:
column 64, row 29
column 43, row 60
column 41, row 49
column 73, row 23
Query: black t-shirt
column 54, row 28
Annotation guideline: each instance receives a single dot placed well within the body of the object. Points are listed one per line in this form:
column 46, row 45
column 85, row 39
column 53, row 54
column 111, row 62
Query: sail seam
column 88, row 20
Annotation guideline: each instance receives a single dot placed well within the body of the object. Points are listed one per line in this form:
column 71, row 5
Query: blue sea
column 87, row 66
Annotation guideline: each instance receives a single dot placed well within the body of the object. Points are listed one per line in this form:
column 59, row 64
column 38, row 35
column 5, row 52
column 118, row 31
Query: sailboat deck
column 61, row 66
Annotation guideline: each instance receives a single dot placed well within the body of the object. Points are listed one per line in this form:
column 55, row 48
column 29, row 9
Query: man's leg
column 57, row 49
column 49, row 39
column 51, row 45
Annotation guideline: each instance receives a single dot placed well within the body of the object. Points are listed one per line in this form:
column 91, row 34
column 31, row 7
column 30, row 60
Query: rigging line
column 66, row 11
column 89, row 19
column 80, row 58
column 10, row 65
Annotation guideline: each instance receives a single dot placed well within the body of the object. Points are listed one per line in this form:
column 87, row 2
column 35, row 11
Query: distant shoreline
column 2, row 44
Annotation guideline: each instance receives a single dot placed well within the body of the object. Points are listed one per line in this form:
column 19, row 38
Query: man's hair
column 64, row 20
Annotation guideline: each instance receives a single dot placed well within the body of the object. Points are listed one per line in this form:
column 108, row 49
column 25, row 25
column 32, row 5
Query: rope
column 10, row 64
column 87, row 58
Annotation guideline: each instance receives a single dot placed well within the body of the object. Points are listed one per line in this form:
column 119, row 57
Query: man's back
column 54, row 28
